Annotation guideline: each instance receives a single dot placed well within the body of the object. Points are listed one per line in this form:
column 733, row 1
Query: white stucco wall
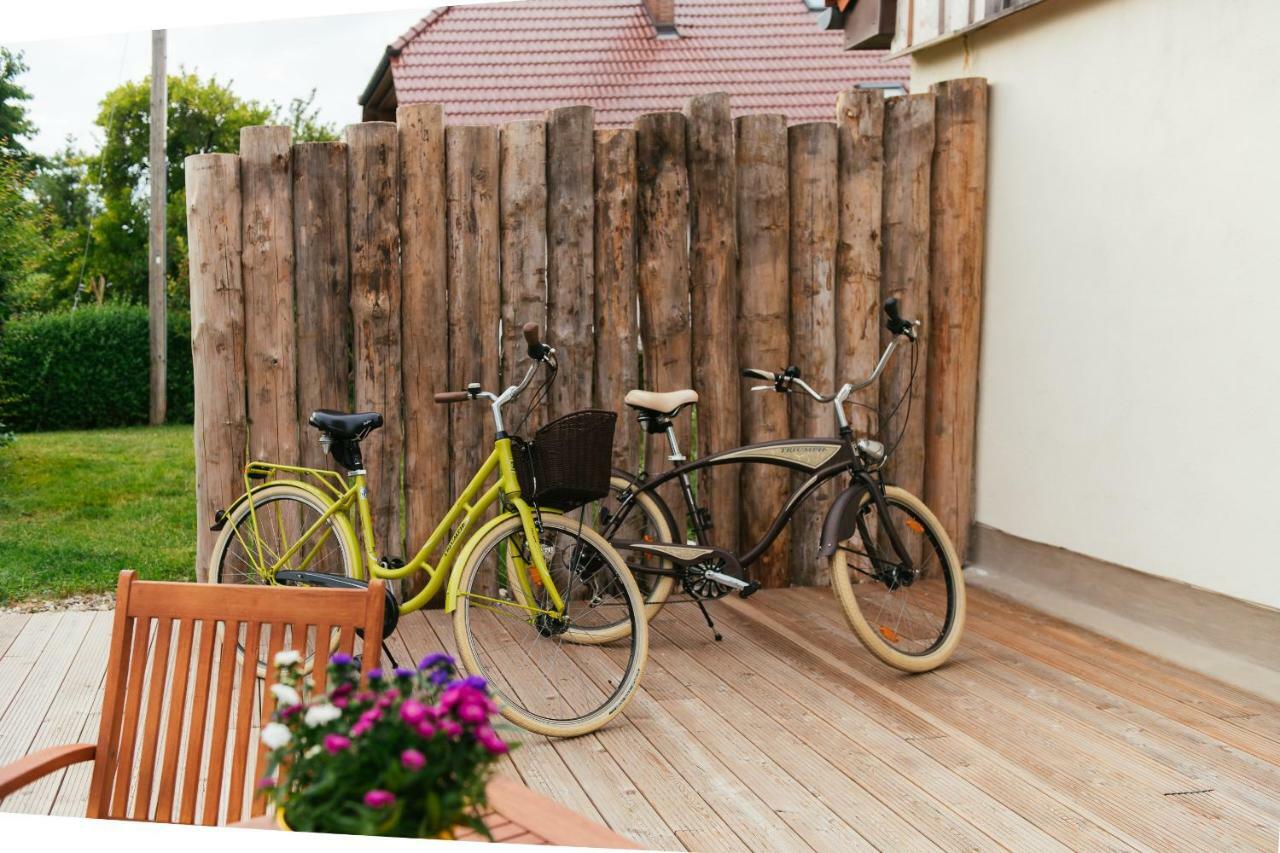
column 1130, row 382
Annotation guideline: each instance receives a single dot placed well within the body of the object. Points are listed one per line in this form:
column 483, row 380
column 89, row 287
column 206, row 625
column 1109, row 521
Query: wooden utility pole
column 156, row 249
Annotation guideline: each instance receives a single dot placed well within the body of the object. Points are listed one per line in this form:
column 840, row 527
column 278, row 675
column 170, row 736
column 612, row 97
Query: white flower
column 288, row 657
column 318, row 715
column 285, row 694
column 275, row 735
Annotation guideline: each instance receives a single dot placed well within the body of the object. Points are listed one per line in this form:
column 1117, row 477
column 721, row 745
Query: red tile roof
column 504, row 61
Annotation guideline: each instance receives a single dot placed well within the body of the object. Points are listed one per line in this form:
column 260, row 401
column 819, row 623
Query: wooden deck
column 788, row 735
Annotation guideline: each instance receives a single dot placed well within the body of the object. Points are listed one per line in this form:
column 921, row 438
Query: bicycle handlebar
column 784, row 381
column 452, row 397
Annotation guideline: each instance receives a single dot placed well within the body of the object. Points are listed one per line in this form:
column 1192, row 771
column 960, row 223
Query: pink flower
column 472, row 712
column 341, row 702
column 286, row 713
column 450, row 728
column 360, row 728
column 413, row 712
column 425, row 729
column 371, row 716
column 489, row 739
column 411, row 759
column 343, row 689
column 379, row 799
column 266, row 782
column 335, row 743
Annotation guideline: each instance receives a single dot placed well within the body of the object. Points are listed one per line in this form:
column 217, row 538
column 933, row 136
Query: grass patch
column 77, row 507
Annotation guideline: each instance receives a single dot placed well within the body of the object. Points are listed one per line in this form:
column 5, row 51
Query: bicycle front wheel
column 910, row 618
column 545, row 677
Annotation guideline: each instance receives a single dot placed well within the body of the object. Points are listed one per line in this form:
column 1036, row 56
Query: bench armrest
column 26, row 770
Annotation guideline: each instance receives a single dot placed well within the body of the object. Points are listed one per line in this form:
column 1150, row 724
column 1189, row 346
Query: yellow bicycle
column 532, row 591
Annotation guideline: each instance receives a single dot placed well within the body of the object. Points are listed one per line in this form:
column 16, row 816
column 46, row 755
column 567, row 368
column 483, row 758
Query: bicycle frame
column 822, row 458
column 462, row 518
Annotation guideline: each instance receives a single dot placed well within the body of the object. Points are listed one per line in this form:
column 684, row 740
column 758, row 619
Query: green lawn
column 77, row 507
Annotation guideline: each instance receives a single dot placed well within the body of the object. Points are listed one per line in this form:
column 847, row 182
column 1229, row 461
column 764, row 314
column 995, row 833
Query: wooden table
column 518, row 815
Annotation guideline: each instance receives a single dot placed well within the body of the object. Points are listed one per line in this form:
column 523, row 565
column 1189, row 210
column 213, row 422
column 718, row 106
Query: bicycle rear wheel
column 910, row 619
column 545, row 672
column 252, row 541
column 643, row 519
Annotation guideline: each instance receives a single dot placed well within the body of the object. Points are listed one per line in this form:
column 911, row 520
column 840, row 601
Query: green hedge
column 88, row 369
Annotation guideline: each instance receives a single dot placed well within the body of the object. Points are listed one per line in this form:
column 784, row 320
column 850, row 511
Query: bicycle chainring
column 699, row 586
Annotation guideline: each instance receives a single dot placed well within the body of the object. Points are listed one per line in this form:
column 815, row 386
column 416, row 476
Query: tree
column 15, row 125
column 61, row 189
column 20, row 239
column 203, row 116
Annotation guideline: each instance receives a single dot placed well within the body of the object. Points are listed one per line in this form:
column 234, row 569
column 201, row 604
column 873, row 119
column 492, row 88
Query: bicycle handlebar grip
column 452, row 397
column 893, row 312
column 533, row 337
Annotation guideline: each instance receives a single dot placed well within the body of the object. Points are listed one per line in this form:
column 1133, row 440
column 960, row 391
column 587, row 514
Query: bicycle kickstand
column 707, row 616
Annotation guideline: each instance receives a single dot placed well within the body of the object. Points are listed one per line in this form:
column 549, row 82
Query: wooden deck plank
column 77, row 699
column 1165, row 680
column 1114, row 782
column 788, row 735
column 951, row 812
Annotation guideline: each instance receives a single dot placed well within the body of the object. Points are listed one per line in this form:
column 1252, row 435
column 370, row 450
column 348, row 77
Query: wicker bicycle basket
column 568, row 462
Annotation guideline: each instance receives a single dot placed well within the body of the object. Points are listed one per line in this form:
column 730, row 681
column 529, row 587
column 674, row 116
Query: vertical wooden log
column 764, row 312
column 323, row 287
column 904, row 271
column 958, row 189
column 372, row 181
column 522, row 201
column 471, row 169
column 617, row 333
column 217, row 339
column 662, row 217
column 713, row 288
column 424, row 326
column 570, row 267
column 860, row 120
column 812, row 149
column 267, row 254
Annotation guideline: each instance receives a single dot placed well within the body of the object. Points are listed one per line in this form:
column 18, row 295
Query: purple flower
column 375, row 674
column 439, row 677
column 404, row 672
column 435, row 659
column 336, row 743
column 411, row 759
column 475, row 682
column 413, row 712
column 341, row 659
column 379, row 799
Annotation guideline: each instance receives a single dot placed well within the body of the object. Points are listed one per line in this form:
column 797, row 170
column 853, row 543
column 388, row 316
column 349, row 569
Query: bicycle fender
column 221, row 516
column 455, row 576
column 840, row 522
column 317, row 493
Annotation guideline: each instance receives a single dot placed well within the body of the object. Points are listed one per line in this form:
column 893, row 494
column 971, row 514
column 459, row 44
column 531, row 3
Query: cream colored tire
column 869, row 637
column 630, row 679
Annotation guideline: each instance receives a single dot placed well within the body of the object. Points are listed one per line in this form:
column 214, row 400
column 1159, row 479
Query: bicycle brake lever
column 763, row 388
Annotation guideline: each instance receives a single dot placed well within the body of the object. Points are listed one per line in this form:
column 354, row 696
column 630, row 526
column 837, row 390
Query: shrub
column 89, row 369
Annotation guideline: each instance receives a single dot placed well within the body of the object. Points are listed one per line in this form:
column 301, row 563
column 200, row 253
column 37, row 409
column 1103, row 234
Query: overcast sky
column 266, row 61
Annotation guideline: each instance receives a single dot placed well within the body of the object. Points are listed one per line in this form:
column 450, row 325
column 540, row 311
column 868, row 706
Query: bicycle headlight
column 872, row 451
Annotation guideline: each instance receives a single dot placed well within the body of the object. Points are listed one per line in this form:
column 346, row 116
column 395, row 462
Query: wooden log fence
column 373, row 272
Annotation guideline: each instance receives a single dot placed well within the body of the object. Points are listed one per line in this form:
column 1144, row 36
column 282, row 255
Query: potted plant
column 406, row 754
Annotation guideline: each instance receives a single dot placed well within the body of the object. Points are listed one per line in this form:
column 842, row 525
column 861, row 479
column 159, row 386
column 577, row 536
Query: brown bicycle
column 893, row 567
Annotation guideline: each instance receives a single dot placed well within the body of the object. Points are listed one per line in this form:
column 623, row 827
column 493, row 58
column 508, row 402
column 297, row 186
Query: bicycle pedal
column 391, row 562
column 749, row 589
